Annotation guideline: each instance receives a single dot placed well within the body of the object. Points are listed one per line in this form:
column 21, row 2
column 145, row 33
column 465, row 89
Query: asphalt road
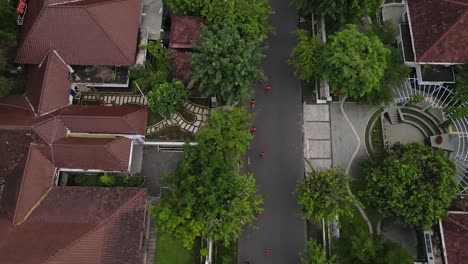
column 279, row 135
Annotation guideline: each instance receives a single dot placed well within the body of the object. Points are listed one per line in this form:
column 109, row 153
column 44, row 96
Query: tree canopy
column 338, row 11
column 414, row 183
column 225, row 64
column 307, row 56
column 354, row 63
column 8, row 27
column 314, row 254
column 157, row 71
column 168, row 97
column 208, row 197
column 324, row 194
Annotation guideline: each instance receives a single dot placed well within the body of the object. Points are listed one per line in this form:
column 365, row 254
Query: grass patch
column 171, row 251
column 189, row 117
column 357, row 187
column 154, row 118
column 374, row 137
column 172, row 133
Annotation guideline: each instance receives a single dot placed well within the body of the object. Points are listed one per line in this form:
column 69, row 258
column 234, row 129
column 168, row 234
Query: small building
column 454, row 232
column 432, row 36
column 185, row 30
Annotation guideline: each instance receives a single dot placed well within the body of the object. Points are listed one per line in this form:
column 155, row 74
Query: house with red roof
column 433, row 36
column 44, row 137
column 454, row 235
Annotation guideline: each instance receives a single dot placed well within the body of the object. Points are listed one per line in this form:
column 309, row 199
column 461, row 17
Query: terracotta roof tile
column 36, row 181
column 51, row 130
column 15, row 113
column 184, row 30
column 79, row 225
column 109, row 154
column 182, row 65
column 439, row 30
column 49, row 84
column 98, row 32
column 456, row 237
column 105, row 119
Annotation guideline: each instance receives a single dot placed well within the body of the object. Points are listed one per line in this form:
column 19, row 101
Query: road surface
column 279, row 135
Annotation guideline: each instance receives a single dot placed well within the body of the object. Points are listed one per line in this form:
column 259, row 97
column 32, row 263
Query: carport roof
column 184, row 30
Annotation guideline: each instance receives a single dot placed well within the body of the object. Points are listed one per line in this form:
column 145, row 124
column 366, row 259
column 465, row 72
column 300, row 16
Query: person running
column 262, row 154
column 258, row 213
column 252, row 103
column 268, row 251
column 253, row 130
column 268, row 89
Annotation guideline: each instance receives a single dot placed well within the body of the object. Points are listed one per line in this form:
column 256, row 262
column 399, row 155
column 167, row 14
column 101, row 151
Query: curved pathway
column 200, row 112
column 356, row 150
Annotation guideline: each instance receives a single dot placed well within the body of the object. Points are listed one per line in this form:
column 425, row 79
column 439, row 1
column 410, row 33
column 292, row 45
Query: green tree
column 209, row 198
column 168, row 97
column 225, row 64
column 185, row 7
column 314, row 254
column 107, row 180
column 414, row 183
column 461, row 90
column 354, row 64
column 324, row 194
column 307, row 56
column 458, row 112
column 365, row 249
column 8, row 27
column 338, row 11
column 158, row 71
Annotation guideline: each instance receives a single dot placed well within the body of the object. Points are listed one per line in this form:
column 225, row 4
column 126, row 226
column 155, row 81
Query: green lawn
column 358, row 186
column 170, row 251
column 154, row 118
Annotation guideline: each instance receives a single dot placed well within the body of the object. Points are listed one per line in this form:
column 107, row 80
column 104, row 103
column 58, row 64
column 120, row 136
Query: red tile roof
column 49, row 84
column 109, row 154
column 184, row 30
column 455, row 228
column 36, row 180
column 182, row 65
column 16, row 113
column 79, row 225
column 128, row 119
column 84, row 32
column 439, row 30
column 51, row 130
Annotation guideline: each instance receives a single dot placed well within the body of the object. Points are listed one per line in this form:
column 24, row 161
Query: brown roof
column 128, row 119
column 439, row 30
column 49, row 84
column 455, row 228
column 182, row 65
column 84, row 32
column 109, row 154
column 16, row 113
column 184, row 30
column 51, row 130
column 36, row 180
column 79, row 225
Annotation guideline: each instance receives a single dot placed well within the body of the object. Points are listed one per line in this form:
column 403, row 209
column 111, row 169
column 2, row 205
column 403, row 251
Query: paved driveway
column 279, row 135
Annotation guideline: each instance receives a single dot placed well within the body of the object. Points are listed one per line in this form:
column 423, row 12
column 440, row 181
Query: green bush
column 107, row 180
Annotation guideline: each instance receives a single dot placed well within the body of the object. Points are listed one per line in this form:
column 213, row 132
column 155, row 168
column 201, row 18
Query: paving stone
column 195, row 130
column 192, row 128
column 316, row 113
column 317, row 130
column 318, row 149
column 180, row 122
column 197, row 123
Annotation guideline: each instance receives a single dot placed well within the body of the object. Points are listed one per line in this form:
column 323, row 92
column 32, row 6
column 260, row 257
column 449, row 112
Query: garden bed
column 171, row 133
column 99, row 180
column 200, row 101
column 189, row 117
column 171, row 251
column 154, row 117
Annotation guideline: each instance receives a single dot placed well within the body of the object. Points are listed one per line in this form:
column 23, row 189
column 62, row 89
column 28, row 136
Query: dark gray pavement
column 279, row 135
column 157, row 164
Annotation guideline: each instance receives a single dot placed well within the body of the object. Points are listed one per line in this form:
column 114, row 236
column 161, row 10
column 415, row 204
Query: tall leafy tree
column 324, row 194
column 339, row 11
column 8, row 27
column 461, row 90
column 209, row 197
column 314, row 254
column 225, row 64
column 307, row 56
column 168, row 97
column 354, row 63
column 414, row 183
column 156, row 71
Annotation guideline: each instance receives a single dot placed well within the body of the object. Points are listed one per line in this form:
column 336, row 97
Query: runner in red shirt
column 268, row 89
column 268, row 251
column 253, row 130
column 262, row 154
column 252, row 103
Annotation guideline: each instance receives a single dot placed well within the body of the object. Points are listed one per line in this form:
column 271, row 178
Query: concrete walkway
column 200, row 112
column 114, row 99
column 317, row 136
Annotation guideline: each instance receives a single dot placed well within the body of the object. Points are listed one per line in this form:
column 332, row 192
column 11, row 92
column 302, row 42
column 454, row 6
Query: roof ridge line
column 105, row 32
column 137, row 195
column 443, row 36
column 21, row 188
column 132, row 113
column 47, row 59
column 44, row 5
